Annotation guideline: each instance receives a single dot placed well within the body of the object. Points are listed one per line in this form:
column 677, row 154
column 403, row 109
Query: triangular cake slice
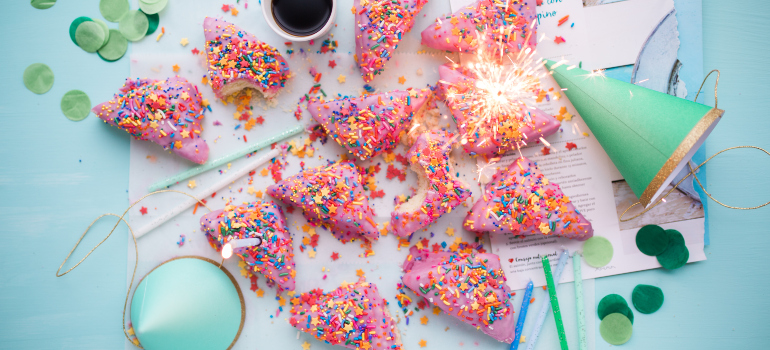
column 260, row 222
column 486, row 24
column 333, row 197
column 167, row 112
column 500, row 133
column 439, row 189
column 520, row 200
column 369, row 125
column 380, row 26
column 354, row 316
column 469, row 286
column 237, row 60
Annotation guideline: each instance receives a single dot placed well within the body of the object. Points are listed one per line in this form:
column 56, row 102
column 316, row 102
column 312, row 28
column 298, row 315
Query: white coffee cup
column 267, row 12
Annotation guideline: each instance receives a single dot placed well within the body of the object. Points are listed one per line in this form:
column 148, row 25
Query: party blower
column 649, row 136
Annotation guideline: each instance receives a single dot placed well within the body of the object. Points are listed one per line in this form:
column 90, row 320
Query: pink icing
column 443, row 190
column 456, row 85
column 233, row 55
column 167, row 112
column 372, row 124
column 380, row 26
column 463, row 283
column 521, row 200
column 460, row 32
column 274, row 257
column 330, row 196
column 354, row 316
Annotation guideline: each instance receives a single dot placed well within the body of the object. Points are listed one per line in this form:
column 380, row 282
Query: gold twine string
column 136, row 248
column 692, row 171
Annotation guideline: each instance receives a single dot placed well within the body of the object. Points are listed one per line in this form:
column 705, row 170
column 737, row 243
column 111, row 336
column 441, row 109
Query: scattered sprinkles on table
column 521, row 200
column 469, row 286
column 273, row 257
column 441, row 191
column 380, row 25
column 369, row 125
column 237, row 60
column 332, row 197
column 504, row 24
column 353, row 315
column 167, row 112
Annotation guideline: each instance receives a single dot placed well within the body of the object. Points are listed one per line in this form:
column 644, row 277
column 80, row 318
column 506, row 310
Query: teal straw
column 224, row 160
column 581, row 315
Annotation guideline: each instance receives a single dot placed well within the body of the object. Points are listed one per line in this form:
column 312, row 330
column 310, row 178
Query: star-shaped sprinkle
column 436, row 310
column 205, row 102
column 559, row 40
column 175, row 68
column 332, row 63
column 184, row 42
column 546, row 151
column 260, row 293
column 306, row 346
column 335, row 256
column 423, row 343
column 185, row 134
column 195, row 51
column 225, row 8
column 311, row 254
column 143, row 210
column 341, row 78
column 153, row 124
column 359, row 272
column 424, row 319
column 258, row 194
column 250, row 190
column 570, row 146
column 450, row 231
column 191, row 184
column 401, row 80
column 234, row 11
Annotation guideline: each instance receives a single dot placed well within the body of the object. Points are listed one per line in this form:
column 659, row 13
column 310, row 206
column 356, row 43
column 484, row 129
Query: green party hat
column 649, row 136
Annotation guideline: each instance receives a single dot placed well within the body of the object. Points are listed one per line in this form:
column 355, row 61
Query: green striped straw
column 224, row 160
column 555, row 303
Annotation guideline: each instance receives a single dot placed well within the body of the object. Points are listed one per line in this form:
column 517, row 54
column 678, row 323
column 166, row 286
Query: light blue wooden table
column 57, row 175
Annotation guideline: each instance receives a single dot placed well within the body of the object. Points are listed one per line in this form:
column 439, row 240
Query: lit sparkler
column 500, row 93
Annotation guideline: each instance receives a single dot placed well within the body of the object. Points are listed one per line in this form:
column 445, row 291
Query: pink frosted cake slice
column 500, row 133
column 333, row 197
column 380, row 26
column 237, row 60
column 354, row 316
column 520, row 200
column 167, row 112
column 372, row 124
column 486, row 24
column 471, row 287
column 273, row 257
column 439, row 189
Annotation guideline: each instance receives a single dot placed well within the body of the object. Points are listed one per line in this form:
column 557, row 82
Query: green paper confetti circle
column 647, row 299
column 154, row 21
column 613, row 303
column 652, row 240
column 42, row 4
column 75, row 105
column 616, row 329
column 152, row 6
column 74, row 26
column 38, row 78
column 105, row 29
column 89, row 36
column 115, row 48
column 113, row 10
column 676, row 253
column 134, row 25
column 597, row 251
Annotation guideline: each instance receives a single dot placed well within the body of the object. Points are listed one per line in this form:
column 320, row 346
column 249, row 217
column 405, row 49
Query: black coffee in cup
column 301, row 17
